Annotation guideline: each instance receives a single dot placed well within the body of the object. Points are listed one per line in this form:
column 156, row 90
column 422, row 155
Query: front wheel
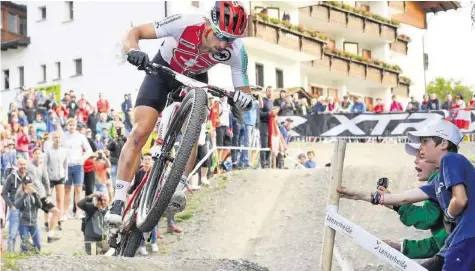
column 128, row 242
column 168, row 168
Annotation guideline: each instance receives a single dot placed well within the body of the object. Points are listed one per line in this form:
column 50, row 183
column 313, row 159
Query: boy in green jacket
column 425, row 217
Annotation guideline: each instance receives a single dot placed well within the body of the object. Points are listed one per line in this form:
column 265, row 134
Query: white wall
column 412, row 64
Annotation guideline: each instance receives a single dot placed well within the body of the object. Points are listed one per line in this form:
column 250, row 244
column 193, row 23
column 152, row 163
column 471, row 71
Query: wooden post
column 333, row 200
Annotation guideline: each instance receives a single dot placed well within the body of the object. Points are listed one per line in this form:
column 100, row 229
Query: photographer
column 28, row 202
column 93, row 227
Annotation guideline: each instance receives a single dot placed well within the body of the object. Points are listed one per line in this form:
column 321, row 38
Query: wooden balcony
column 340, row 21
column 355, row 69
column 400, row 46
column 299, row 46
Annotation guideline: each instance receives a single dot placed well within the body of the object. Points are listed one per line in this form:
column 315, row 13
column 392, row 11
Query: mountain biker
column 193, row 44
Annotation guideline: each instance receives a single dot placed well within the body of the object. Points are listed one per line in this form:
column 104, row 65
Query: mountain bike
column 185, row 112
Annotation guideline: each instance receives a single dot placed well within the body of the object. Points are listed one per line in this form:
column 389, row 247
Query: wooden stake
column 333, row 201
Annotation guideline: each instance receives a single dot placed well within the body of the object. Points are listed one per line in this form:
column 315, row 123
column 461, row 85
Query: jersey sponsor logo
column 222, row 56
column 168, row 20
column 187, row 44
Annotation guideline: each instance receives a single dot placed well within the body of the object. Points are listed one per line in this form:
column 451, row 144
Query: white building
column 77, row 45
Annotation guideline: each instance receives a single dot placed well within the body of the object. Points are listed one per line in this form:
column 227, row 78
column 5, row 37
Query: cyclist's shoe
column 114, row 214
column 174, row 228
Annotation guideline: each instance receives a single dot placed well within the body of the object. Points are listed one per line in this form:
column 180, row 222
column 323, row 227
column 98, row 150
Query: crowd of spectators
column 61, row 155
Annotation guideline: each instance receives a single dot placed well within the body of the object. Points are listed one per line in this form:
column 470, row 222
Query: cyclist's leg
column 151, row 100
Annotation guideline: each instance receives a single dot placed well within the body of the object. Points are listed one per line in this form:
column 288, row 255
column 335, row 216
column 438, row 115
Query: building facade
column 328, row 48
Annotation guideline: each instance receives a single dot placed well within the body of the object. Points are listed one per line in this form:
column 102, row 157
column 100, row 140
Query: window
column 6, row 79
column 259, row 75
column 12, row 25
column 367, row 54
column 43, row 73
column 42, row 13
column 23, row 26
column 195, row 4
column 279, row 78
column 21, row 74
column 69, row 10
column 58, row 70
column 426, row 61
column 316, row 91
column 78, row 66
column 350, row 47
column 269, row 11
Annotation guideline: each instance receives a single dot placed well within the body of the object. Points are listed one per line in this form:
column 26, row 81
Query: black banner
column 365, row 124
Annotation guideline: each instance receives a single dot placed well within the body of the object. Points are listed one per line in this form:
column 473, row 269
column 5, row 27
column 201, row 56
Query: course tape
column 369, row 242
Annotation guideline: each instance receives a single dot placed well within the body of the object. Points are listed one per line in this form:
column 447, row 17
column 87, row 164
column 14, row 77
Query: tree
column 441, row 87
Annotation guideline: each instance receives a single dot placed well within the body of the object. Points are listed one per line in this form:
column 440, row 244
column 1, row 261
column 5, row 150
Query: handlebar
column 154, row 68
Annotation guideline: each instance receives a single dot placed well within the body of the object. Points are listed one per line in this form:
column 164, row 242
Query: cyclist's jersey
column 183, row 33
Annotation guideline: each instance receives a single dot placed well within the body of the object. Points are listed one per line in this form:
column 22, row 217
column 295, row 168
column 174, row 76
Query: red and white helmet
column 229, row 19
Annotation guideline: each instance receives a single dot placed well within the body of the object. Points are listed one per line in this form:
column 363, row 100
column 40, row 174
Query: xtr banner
column 367, row 124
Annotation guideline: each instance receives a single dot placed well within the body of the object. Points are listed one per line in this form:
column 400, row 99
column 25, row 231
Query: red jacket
column 396, row 107
column 379, row 108
column 82, row 114
column 102, row 106
column 22, row 142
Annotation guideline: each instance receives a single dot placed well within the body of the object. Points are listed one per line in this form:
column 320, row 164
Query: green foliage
column 442, row 86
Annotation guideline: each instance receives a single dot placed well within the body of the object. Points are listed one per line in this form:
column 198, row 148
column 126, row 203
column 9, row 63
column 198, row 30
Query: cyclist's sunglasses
column 222, row 37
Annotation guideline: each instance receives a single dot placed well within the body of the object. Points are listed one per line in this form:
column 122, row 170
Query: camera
column 99, row 155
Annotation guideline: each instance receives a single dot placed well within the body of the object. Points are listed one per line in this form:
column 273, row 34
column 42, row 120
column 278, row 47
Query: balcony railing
column 401, row 44
column 283, row 36
column 351, row 18
column 358, row 69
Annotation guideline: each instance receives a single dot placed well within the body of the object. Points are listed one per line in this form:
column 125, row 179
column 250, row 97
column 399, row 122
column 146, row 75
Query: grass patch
column 10, row 260
column 195, row 201
column 164, row 251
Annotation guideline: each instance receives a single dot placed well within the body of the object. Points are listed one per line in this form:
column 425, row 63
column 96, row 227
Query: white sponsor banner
column 369, row 242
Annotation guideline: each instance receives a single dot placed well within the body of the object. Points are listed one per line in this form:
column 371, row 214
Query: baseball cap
column 412, row 148
column 441, row 128
column 27, row 179
column 289, row 120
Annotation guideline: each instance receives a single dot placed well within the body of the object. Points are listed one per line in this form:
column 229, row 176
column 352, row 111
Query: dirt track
column 271, row 217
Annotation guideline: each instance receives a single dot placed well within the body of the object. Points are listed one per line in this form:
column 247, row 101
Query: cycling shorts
column 155, row 88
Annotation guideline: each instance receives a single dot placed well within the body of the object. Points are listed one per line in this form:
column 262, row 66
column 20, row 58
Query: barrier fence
column 371, row 125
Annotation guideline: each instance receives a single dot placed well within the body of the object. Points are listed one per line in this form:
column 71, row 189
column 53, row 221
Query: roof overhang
column 15, row 44
column 438, row 6
column 14, row 5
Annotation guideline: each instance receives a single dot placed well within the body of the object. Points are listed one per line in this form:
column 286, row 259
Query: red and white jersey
column 183, row 33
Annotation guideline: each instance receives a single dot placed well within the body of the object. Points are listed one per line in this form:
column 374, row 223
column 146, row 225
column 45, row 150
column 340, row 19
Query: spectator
column 115, row 147
column 84, row 102
column 459, row 102
column 345, row 105
column 238, row 123
column 298, row 104
column 40, row 126
column 82, row 113
column 286, row 17
column 22, row 119
column 99, row 143
column 358, row 106
column 79, row 150
column 12, row 183
column 102, row 124
column 305, row 107
column 278, row 102
column 102, row 104
column 448, row 102
column 267, row 110
column 51, row 120
column 425, row 103
column 56, row 163
column 126, row 105
column 379, row 107
column 22, row 142
column 310, row 163
column 8, row 159
column 92, row 119
column 287, row 107
column 30, row 110
column 395, row 105
column 39, row 175
column 27, row 201
column 302, row 159
column 224, row 130
column 332, row 105
column 472, row 102
column 434, row 103
column 95, row 207
column 320, row 106
column 285, row 128
column 250, row 120
column 72, row 107
column 413, row 105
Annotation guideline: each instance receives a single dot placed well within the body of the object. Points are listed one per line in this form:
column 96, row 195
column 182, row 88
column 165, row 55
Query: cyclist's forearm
column 131, row 40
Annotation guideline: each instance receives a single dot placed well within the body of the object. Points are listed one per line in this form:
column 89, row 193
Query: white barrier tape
column 201, row 162
column 369, row 242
